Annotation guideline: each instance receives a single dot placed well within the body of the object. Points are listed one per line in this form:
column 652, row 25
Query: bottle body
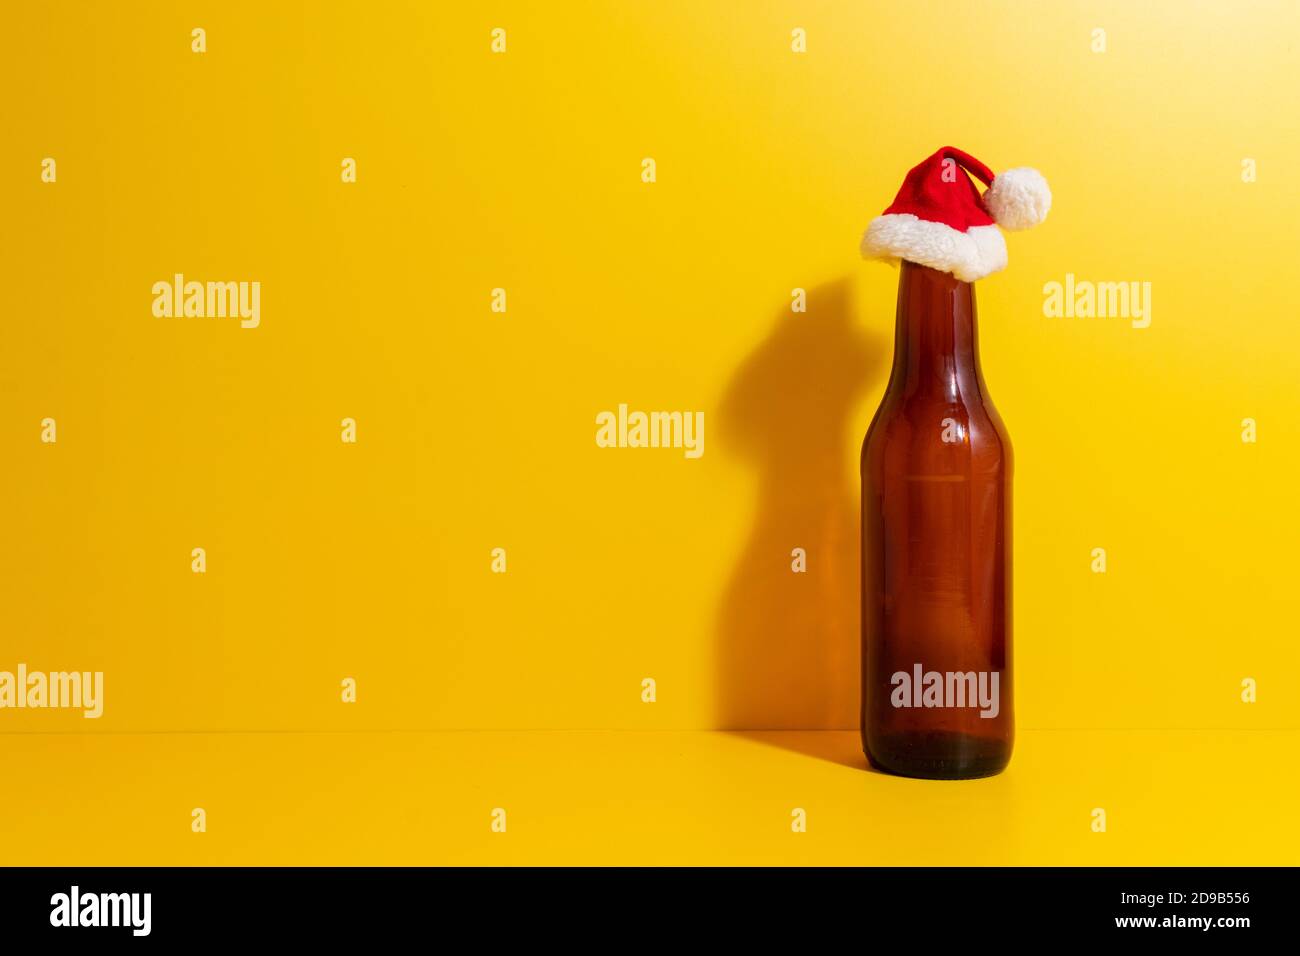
column 936, row 548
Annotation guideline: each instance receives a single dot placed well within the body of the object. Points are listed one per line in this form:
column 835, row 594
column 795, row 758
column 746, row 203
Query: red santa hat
column 940, row 220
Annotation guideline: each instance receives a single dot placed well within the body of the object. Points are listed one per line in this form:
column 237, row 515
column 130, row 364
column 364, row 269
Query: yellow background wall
column 476, row 429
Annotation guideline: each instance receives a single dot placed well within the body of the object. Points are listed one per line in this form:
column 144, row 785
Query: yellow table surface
column 609, row 798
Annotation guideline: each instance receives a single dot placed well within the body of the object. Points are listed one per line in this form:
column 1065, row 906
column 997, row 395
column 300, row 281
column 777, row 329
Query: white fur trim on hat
column 969, row 255
column 1018, row 198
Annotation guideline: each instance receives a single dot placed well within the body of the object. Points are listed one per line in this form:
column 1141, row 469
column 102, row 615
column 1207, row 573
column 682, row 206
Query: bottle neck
column 935, row 349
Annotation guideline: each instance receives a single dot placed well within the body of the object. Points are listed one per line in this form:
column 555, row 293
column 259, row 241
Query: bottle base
column 938, row 755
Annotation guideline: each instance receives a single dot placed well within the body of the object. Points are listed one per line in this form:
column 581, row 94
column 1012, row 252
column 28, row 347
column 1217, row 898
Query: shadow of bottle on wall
column 788, row 644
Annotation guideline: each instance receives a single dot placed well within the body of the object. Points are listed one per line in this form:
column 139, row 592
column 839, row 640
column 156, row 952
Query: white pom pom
column 1018, row 198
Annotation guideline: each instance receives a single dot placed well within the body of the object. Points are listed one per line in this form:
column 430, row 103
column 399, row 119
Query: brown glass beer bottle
column 936, row 548
column 936, row 483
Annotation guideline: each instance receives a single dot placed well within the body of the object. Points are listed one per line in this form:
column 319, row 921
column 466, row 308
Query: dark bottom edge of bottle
column 938, row 755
